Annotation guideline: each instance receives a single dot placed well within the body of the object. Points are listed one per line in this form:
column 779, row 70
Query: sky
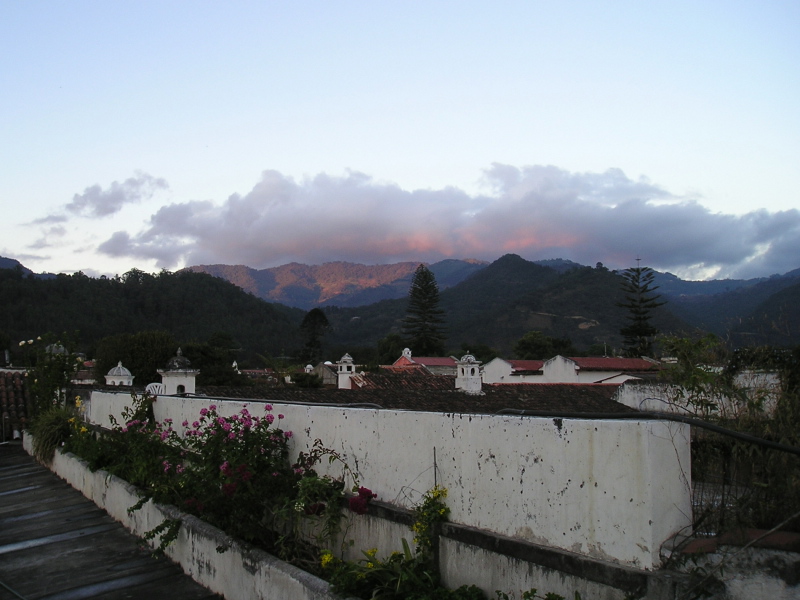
column 161, row 134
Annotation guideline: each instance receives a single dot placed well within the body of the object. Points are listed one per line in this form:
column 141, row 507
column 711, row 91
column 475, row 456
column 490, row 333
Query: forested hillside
column 190, row 306
column 500, row 303
column 485, row 306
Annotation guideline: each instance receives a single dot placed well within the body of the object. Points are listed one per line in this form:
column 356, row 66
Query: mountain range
column 486, row 304
column 497, row 302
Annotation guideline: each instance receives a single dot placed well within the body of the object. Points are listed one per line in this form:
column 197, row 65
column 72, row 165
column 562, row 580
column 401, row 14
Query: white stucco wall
column 239, row 573
column 664, row 397
column 499, row 370
column 614, row 490
column 463, row 564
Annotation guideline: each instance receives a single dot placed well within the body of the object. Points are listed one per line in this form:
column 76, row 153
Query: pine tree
column 640, row 301
column 314, row 326
column 423, row 324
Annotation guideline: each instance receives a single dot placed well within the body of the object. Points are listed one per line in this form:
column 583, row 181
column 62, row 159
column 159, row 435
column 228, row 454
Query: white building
column 119, row 375
column 178, row 377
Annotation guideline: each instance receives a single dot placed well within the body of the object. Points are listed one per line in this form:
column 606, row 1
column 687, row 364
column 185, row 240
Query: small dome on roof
column 178, row 362
column 119, row 371
column 468, row 358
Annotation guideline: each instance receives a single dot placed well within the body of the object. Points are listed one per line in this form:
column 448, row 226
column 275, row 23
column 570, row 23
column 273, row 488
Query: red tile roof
column 414, row 377
column 435, row 361
column 526, row 365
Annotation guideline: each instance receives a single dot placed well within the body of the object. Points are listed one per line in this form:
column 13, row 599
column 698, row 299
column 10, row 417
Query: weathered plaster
column 613, row 490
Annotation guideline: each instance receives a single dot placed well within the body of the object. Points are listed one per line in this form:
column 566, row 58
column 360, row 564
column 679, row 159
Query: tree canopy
column 423, row 324
column 640, row 301
column 535, row 345
column 314, row 326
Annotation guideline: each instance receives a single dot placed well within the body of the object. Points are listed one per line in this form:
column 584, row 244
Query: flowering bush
column 233, row 472
column 428, row 514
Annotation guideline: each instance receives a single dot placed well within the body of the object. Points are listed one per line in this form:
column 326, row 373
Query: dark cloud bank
column 536, row 212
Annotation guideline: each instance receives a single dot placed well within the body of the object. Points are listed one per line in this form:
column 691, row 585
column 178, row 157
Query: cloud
column 95, row 202
column 536, row 211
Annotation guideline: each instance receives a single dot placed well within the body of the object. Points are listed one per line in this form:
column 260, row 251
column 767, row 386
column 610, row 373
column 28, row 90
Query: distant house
column 501, row 370
column 438, row 365
column 326, row 371
column 561, row 369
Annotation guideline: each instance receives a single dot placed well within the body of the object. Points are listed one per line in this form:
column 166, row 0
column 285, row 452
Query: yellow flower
column 84, row 430
column 438, row 492
column 370, row 565
column 71, row 420
column 327, row 558
column 78, row 401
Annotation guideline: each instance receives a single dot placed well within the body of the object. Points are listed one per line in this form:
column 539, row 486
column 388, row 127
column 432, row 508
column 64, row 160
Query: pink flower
column 166, row 466
column 288, row 434
column 231, row 436
column 358, row 505
column 212, row 407
column 280, row 416
column 270, row 418
column 203, row 412
column 366, row 493
column 268, row 407
column 185, row 423
column 196, row 425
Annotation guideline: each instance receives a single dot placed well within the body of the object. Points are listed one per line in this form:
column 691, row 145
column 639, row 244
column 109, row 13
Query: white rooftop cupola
column 468, row 375
column 345, row 369
column 178, row 377
column 407, row 353
column 119, row 375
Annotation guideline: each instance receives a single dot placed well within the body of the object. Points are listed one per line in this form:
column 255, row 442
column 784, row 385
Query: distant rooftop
column 542, row 397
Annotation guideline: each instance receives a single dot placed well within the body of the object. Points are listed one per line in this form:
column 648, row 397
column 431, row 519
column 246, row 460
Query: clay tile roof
column 435, row 361
column 417, row 378
column 575, row 398
column 600, row 363
column 526, row 365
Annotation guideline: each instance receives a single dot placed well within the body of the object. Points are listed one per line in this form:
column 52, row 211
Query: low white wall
column 734, row 574
column 463, row 564
column 613, row 490
column 239, row 573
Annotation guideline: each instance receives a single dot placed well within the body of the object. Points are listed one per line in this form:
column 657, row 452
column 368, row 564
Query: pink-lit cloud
column 538, row 212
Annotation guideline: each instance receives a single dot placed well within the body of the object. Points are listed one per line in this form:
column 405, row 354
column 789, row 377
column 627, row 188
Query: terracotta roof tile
column 435, row 361
column 526, row 365
column 543, row 397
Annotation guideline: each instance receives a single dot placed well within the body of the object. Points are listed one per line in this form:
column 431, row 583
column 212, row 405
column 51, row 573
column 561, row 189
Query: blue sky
column 160, row 134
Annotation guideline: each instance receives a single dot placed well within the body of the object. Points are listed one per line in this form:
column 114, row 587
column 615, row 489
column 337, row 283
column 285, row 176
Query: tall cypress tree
column 314, row 326
column 640, row 301
column 423, row 324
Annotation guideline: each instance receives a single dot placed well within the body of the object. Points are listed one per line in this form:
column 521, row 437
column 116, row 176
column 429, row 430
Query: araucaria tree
column 314, row 326
column 423, row 325
column 640, row 301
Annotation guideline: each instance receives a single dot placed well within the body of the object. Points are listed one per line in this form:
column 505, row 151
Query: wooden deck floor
column 57, row 545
